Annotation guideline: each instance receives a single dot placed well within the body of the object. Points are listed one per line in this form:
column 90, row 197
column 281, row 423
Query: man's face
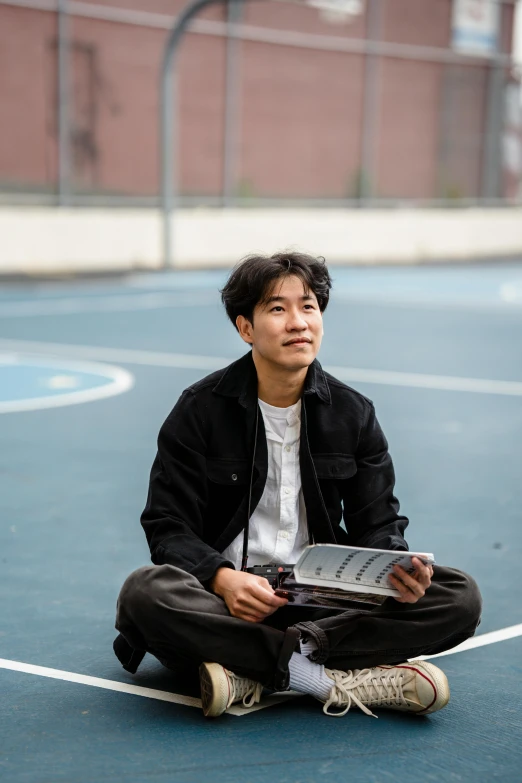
column 288, row 328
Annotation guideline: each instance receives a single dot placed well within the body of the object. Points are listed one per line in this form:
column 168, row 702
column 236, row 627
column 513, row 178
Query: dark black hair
column 251, row 281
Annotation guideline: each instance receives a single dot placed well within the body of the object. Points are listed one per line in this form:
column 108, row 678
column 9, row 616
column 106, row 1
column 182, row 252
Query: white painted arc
column 126, row 355
column 121, row 381
column 483, row 640
column 209, row 363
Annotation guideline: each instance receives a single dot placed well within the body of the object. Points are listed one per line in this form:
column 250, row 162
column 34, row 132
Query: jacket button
column 234, row 476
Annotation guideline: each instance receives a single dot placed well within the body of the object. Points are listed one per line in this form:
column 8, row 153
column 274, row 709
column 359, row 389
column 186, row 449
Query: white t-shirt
column 278, row 532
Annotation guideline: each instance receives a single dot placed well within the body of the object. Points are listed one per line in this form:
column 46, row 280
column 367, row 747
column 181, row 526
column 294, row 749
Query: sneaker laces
column 361, row 687
column 243, row 689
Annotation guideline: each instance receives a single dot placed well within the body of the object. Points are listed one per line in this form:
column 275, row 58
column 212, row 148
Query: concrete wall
column 50, row 240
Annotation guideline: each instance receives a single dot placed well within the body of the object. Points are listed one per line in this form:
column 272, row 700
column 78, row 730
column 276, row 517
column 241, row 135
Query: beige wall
column 39, row 240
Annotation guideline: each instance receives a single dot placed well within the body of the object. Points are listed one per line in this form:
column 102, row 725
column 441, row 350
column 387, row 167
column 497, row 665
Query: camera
column 274, row 573
column 280, row 577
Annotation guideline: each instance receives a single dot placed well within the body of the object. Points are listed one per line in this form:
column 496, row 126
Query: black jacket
column 198, row 495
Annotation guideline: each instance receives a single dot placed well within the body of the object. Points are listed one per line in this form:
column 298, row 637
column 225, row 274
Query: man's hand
column 411, row 586
column 247, row 596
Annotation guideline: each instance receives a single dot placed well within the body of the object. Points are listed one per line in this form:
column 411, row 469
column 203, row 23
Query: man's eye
column 277, row 307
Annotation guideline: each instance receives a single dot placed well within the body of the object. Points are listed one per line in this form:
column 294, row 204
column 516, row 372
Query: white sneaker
column 220, row 688
column 414, row 686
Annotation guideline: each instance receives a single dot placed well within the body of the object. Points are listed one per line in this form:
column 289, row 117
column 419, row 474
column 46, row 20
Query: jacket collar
column 240, row 380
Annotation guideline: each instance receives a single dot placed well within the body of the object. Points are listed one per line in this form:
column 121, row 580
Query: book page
column 352, row 565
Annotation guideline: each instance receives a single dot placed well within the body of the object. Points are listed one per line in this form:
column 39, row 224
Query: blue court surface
column 88, row 372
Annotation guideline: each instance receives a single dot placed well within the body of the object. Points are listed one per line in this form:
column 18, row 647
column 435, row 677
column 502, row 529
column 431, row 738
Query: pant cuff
column 290, row 644
column 128, row 656
column 309, row 630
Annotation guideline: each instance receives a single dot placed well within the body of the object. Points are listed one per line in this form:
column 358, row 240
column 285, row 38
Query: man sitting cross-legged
column 274, row 439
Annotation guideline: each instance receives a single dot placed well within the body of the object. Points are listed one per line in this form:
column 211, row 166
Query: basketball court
column 88, row 372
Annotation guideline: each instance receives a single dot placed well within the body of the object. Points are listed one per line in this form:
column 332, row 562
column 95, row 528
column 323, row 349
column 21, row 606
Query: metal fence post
column 231, row 128
column 491, row 160
column 64, row 131
column 368, row 170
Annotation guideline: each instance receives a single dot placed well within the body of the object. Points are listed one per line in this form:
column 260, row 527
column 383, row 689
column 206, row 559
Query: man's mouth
column 298, row 341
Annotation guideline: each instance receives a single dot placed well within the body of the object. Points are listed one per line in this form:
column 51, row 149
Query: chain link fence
column 277, row 103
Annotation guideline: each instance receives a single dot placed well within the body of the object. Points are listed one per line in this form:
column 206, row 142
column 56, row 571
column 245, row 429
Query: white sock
column 308, row 677
column 307, row 647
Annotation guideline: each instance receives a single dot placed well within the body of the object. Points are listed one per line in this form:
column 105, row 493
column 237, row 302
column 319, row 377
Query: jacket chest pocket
column 334, row 466
column 228, row 472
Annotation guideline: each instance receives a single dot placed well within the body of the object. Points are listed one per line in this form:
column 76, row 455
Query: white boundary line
column 509, row 301
column 511, row 632
column 125, row 355
column 493, row 637
column 502, row 305
column 121, row 381
column 136, row 690
column 112, row 303
column 424, row 381
column 512, row 291
column 99, row 682
column 349, row 374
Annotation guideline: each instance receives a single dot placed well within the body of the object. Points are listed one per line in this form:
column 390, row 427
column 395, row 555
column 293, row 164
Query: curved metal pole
column 169, row 188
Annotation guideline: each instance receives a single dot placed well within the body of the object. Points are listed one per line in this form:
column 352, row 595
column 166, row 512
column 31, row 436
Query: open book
column 336, row 576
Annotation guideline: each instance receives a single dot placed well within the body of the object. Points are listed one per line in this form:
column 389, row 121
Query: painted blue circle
column 27, row 381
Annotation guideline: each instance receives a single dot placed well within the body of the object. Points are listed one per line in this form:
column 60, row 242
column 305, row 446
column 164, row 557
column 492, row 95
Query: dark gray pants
column 168, row 612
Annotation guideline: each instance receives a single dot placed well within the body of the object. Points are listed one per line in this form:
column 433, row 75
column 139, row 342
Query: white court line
column 189, row 701
column 120, row 381
column 126, row 355
column 425, row 381
column 97, row 304
column 99, row 682
column 512, row 292
column 419, row 302
column 349, row 374
column 509, row 301
column 136, row 690
column 480, row 641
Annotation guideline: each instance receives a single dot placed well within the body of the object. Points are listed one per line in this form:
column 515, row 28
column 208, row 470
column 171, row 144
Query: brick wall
column 300, row 109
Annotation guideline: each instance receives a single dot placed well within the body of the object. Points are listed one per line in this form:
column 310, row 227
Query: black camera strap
column 244, row 559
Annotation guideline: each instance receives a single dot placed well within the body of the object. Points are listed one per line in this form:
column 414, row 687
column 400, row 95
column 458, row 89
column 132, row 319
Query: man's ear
column 245, row 329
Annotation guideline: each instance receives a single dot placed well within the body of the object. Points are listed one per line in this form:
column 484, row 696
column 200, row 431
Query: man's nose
column 296, row 321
